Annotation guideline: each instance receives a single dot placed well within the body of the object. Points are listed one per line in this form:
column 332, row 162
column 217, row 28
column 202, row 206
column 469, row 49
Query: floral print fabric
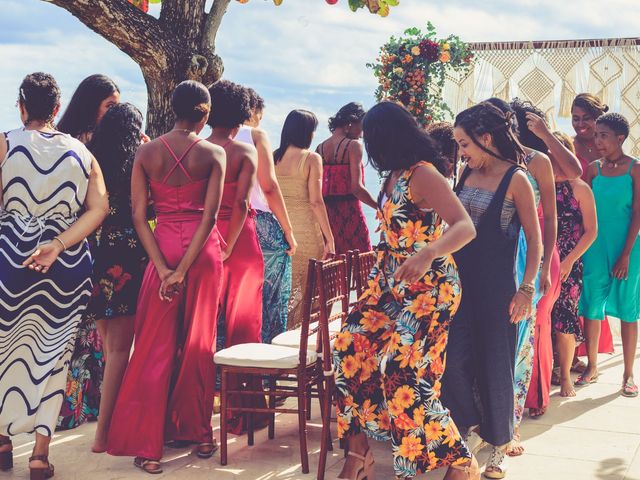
column 390, row 355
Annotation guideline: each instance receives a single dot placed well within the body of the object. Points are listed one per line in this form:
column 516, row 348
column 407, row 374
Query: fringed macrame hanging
column 551, row 73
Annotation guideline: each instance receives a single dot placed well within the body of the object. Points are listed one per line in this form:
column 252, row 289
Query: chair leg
column 326, row 443
column 309, row 404
column 223, row 416
column 302, row 425
column 272, row 405
column 321, row 399
column 251, row 385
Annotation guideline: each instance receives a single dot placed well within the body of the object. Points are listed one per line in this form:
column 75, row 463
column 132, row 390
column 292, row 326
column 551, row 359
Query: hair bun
column 605, row 108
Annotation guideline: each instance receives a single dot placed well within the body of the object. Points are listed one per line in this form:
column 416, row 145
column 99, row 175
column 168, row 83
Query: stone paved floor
column 595, row 436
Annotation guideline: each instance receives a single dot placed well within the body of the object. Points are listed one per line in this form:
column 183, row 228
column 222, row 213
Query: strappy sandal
column 578, row 366
column 496, row 465
column 207, row 449
column 365, row 472
column 145, row 464
column 583, row 380
column 41, row 473
column 6, row 458
column 474, row 441
column 515, row 448
column 629, row 389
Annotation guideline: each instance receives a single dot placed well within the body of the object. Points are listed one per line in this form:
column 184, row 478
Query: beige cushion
column 261, row 355
column 335, row 326
column 292, row 339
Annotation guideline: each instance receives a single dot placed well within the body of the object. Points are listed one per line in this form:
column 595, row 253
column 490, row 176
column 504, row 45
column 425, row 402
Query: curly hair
column 350, row 113
column 486, row 118
column 526, row 136
column 256, row 102
column 590, row 104
column 616, row 122
column 506, row 109
column 115, row 141
column 191, row 101
column 39, row 94
column 442, row 134
column 395, row 141
column 231, row 105
column 80, row 115
column 565, row 140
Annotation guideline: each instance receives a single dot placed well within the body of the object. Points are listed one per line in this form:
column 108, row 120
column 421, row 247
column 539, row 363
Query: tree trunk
column 160, row 116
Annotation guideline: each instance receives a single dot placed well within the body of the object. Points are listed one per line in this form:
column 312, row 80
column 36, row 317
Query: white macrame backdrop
column 551, row 74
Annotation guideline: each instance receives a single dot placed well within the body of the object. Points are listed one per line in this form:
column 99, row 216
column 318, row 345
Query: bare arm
column 355, row 169
column 584, row 196
column 621, row 268
column 543, row 173
column 429, row 189
column 566, row 165
column 269, row 185
column 96, row 205
column 240, row 207
column 317, row 202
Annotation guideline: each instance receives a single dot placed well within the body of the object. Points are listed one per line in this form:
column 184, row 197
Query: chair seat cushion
column 291, row 338
column 261, row 355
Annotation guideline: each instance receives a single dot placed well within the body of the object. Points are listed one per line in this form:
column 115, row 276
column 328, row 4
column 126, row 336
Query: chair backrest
column 310, row 311
column 361, row 264
column 333, row 291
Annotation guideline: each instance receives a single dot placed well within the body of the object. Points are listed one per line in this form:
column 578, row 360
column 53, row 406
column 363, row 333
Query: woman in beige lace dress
column 299, row 173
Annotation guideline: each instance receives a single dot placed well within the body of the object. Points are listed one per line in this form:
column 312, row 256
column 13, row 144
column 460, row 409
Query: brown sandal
column 41, row 473
column 471, row 469
column 6, row 458
column 207, row 449
column 145, row 463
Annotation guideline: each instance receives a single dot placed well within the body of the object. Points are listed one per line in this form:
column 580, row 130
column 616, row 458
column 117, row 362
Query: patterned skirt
column 348, row 224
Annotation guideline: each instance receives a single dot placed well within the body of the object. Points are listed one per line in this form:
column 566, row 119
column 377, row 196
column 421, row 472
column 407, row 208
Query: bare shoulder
column 519, row 183
column 355, row 147
column 539, row 163
column 425, row 173
column 314, row 158
column 259, row 135
column 581, row 189
column 635, row 169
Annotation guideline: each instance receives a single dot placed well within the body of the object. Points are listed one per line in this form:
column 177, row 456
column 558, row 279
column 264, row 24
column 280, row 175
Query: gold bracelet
column 64, row 247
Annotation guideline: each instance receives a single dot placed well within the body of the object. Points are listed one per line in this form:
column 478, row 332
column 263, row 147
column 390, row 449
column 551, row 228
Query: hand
column 415, row 267
column 171, row 285
column 144, row 138
column 329, row 250
column 291, row 240
column 44, row 256
column 537, row 125
column 545, row 280
column 621, row 268
column 566, row 266
column 520, row 307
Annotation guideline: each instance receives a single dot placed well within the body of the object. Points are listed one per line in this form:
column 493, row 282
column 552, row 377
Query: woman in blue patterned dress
column 45, row 265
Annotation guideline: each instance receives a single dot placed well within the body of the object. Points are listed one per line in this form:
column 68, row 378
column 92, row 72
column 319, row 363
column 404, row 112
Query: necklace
column 183, row 130
column 613, row 164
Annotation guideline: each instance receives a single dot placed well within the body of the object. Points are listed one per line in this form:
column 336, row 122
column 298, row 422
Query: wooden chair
column 360, row 266
column 300, row 370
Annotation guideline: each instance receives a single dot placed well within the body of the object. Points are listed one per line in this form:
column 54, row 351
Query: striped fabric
column 44, row 183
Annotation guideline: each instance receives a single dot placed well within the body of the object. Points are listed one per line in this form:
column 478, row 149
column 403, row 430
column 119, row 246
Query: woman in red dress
column 167, row 391
column 585, row 110
column 342, row 182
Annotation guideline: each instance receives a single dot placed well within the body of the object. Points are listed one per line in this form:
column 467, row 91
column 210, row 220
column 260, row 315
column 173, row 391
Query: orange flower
column 433, row 460
column 433, row 430
column 423, row 305
column 451, row 436
column 410, row 448
column 388, row 209
column 409, row 355
column 437, row 367
column 368, row 366
column 403, row 422
column 445, row 56
column 418, row 415
column 343, row 425
column 367, row 412
column 438, row 347
column 350, row 366
column 393, row 343
column 407, row 59
column 446, row 293
column 414, row 232
column 384, row 422
column 343, row 340
column 404, row 397
column 394, row 409
column 361, row 344
column 392, row 238
column 373, row 321
column 373, row 292
column 416, row 50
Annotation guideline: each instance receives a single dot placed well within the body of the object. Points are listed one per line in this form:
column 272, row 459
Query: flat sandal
column 143, row 463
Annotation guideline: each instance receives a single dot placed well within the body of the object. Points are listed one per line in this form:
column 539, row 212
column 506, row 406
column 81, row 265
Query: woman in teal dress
column 612, row 263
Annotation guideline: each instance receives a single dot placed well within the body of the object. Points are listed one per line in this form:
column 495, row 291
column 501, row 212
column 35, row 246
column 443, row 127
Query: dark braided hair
column 82, row 112
column 115, row 141
column 39, row 94
column 230, row 105
column 486, row 118
column 526, row 136
column 506, row 108
column 351, row 113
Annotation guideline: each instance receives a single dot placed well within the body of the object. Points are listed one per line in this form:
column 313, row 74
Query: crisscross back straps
column 178, row 160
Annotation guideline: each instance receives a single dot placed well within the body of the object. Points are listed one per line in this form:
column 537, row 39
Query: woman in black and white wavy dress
column 45, row 265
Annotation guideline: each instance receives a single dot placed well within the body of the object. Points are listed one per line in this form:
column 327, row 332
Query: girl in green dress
column 612, row 263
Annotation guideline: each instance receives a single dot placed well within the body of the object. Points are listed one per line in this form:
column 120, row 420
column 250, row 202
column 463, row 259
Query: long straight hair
column 297, row 130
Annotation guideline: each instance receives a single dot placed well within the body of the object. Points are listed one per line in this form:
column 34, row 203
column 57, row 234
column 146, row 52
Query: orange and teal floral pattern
column 390, row 355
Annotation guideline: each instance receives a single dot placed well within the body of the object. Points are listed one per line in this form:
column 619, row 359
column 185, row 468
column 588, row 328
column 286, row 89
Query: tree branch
column 137, row 34
column 214, row 19
column 184, row 18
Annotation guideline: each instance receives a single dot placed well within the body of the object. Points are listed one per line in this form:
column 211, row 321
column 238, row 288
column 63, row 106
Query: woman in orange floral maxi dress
column 390, row 354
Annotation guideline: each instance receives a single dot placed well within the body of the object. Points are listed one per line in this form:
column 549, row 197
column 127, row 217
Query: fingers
column 32, row 258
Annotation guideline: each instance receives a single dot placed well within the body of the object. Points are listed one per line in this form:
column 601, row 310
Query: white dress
column 45, row 177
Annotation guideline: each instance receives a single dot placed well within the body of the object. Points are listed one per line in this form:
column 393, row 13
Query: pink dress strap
column 178, row 160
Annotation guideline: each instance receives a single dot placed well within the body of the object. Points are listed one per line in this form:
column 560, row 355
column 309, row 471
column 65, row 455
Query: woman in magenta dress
column 167, row 391
column 342, row 181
